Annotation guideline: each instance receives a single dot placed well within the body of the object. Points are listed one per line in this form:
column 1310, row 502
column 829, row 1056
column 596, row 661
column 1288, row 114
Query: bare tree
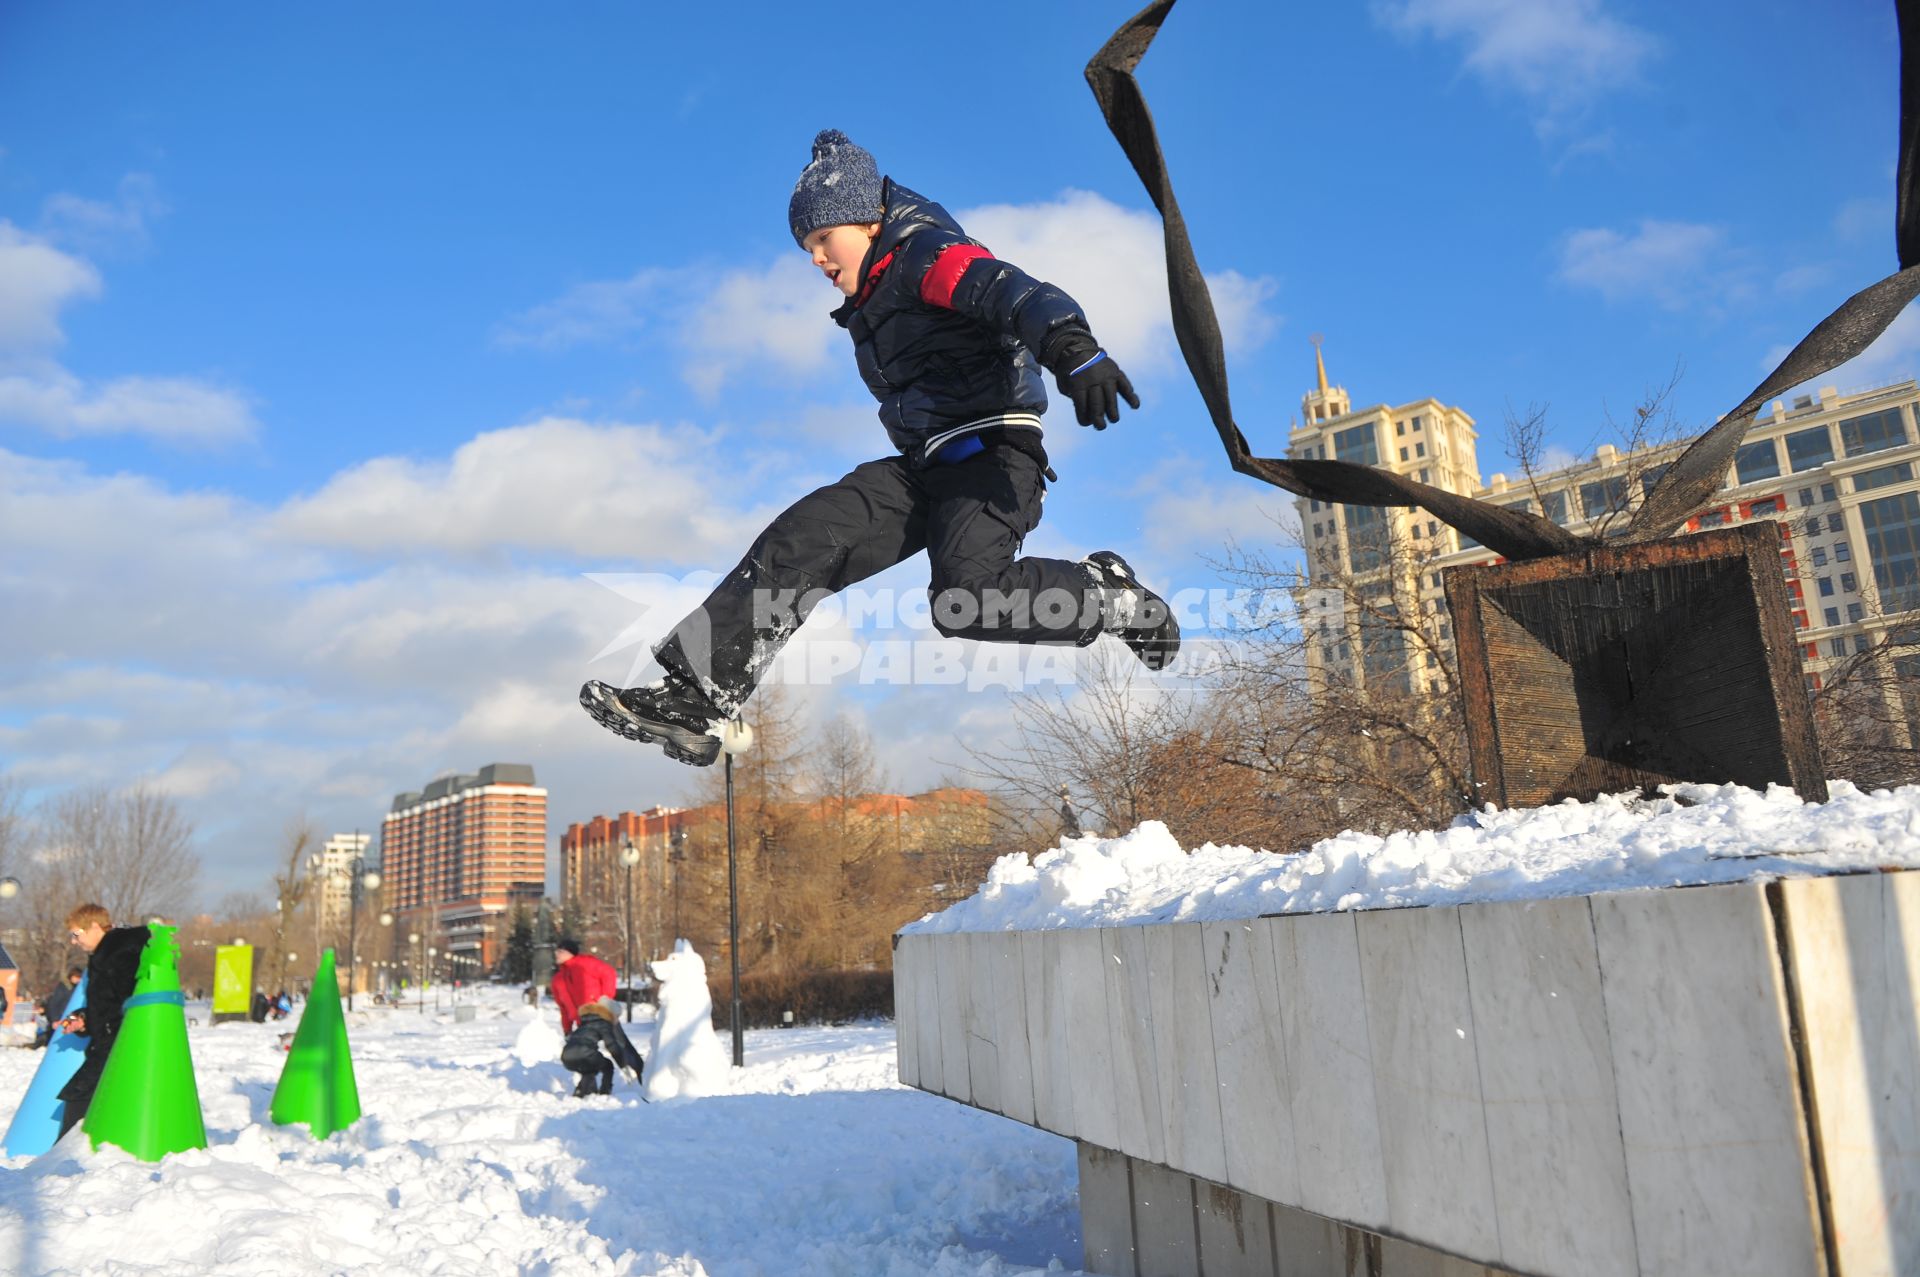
column 292, row 885
column 130, row 850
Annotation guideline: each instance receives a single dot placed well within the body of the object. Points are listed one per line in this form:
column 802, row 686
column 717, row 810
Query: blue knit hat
column 839, row 187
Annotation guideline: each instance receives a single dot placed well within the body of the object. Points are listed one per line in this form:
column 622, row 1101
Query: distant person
column 260, row 1008
column 282, row 1005
column 578, row 979
column 54, row 1005
column 112, row 964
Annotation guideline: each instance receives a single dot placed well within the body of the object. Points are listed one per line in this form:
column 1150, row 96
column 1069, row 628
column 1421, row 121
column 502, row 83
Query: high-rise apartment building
column 457, row 856
column 331, row 873
column 1839, row 473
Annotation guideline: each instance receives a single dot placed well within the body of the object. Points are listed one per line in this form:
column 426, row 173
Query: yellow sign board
column 232, row 979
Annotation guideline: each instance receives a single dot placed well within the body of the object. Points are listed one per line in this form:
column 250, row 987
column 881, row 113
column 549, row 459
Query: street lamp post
column 385, row 980
column 629, row 856
column 678, row 857
column 433, row 960
column 419, row 961
column 735, row 738
column 362, row 878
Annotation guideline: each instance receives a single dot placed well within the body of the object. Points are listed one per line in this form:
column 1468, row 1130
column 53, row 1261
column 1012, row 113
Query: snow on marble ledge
column 1692, row 834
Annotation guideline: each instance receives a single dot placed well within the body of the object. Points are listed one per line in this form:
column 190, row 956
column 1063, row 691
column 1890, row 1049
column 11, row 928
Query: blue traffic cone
column 36, row 1123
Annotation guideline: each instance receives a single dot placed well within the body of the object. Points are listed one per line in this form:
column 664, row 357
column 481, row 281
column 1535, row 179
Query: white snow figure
column 686, row 1057
column 538, row 1042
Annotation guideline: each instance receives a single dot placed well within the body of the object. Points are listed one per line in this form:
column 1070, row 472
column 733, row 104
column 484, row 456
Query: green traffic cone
column 317, row 1086
column 147, row 1102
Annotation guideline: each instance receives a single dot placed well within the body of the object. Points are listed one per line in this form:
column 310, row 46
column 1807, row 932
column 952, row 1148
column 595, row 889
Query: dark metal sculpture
column 1682, row 490
column 1591, row 663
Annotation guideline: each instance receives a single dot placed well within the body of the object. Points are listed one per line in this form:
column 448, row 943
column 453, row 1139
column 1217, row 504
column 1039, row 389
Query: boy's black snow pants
column 969, row 516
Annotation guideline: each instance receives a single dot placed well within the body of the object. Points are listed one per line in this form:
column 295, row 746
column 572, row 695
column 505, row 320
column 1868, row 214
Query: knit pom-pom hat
column 840, row 186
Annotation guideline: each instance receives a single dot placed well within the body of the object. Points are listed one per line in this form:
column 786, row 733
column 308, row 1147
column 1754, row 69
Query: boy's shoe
column 1132, row 613
column 671, row 713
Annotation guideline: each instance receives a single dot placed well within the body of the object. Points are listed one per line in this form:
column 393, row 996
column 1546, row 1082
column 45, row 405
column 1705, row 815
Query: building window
column 1403, row 454
column 1433, row 528
column 1356, row 445
column 1882, row 476
column 1767, row 505
column 1836, row 646
column 1806, row 497
column 1426, row 476
column 1860, row 642
column 1828, row 492
column 1826, row 587
column 1554, row 506
column 1400, row 427
column 1841, row 553
column 1809, row 449
column 1757, row 461
column 1712, row 518
column 1603, row 497
column 1819, row 556
column 1856, row 613
column 1366, row 538
column 1436, row 580
column 1849, row 582
column 1650, row 477
column 1892, row 526
column 1813, row 525
column 1419, row 449
column 1835, row 523
column 1416, row 423
column 1833, row 616
column 1875, row 432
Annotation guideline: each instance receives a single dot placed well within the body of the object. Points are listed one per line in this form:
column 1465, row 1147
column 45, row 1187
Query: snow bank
column 685, row 1057
column 816, row 1164
column 1693, row 834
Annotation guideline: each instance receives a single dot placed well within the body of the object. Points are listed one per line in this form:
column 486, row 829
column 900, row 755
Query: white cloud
column 37, row 280
column 730, row 323
column 177, row 410
column 1679, row 265
column 104, row 225
column 1561, row 54
column 641, row 493
column 1112, row 260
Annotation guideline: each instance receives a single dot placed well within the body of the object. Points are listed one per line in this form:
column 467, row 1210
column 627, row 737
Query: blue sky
column 339, row 345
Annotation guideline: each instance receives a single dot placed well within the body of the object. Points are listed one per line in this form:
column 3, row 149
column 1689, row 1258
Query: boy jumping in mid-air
column 947, row 338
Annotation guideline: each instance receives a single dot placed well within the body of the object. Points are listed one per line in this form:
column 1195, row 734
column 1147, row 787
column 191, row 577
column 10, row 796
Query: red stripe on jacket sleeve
column 944, row 275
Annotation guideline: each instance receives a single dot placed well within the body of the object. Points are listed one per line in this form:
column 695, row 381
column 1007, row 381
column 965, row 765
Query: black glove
column 1088, row 375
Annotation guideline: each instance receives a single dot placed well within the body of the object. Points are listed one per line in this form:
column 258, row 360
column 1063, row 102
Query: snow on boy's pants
column 969, row 516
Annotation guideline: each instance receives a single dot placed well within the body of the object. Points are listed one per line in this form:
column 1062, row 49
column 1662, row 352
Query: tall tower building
column 1349, row 547
column 458, row 855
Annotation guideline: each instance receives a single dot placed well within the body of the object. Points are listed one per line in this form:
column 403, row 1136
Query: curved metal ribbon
column 1686, row 485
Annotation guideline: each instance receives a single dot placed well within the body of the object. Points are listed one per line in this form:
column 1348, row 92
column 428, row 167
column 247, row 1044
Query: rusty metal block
column 1623, row 668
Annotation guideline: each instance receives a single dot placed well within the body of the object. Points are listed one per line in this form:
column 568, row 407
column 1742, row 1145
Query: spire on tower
column 1319, row 363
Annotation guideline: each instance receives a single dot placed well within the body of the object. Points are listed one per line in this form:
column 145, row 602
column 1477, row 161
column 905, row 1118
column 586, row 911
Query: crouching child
column 596, row 1046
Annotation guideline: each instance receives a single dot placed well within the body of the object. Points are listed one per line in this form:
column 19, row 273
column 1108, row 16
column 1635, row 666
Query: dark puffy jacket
column 946, row 335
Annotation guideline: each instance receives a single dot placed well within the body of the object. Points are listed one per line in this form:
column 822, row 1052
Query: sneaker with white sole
column 1132, row 613
column 670, row 713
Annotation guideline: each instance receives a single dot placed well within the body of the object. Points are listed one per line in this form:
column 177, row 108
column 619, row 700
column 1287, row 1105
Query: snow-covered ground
column 470, row 1161
column 1693, row 834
